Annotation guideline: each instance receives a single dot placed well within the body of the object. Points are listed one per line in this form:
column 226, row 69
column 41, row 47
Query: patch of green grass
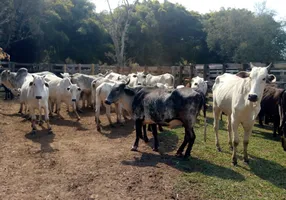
column 211, row 174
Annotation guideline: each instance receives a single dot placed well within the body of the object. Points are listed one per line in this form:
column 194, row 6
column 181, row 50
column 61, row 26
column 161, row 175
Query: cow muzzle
column 73, row 100
column 38, row 97
column 107, row 102
column 252, row 97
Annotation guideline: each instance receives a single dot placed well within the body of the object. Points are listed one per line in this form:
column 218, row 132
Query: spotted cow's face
column 74, row 91
column 116, row 92
column 38, row 84
column 198, row 83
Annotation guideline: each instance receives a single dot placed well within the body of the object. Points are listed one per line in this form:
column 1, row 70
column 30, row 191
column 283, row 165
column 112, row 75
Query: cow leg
column 160, row 128
column 216, row 113
column 138, row 126
column 58, row 109
column 235, row 140
column 40, row 116
column 185, row 142
column 229, row 132
column 118, row 110
column 261, row 116
column 50, row 107
column 46, row 111
column 145, row 133
column 247, row 132
column 192, row 139
column 21, row 108
column 97, row 113
column 155, row 135
column 276, row 125
column 33, row 120
column 108, row 115
column 74, row 109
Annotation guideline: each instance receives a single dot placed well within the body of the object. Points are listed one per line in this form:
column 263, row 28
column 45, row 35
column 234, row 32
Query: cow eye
column 196, row 84
column 144, row 76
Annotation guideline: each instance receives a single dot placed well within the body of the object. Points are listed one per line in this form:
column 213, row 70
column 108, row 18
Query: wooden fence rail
column 182, row 74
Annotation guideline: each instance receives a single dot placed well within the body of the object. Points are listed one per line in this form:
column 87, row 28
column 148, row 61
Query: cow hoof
column 41, row 123
column 134, row 148
column 112, row 126
column 218, row 149
column 98, row 128
column 231, row 148
column 156, row 149
column 246, row 161
column 78, row 119
column 179, row 154
column 161, row 129
column 33, row 132
column 50, row 132
column 186, row 156
column 80, row 111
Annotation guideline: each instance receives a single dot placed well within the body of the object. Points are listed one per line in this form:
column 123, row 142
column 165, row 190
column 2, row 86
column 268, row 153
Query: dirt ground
column 77, row 162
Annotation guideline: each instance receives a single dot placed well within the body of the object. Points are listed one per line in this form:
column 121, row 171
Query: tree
column 116, row 23
column 238, row 35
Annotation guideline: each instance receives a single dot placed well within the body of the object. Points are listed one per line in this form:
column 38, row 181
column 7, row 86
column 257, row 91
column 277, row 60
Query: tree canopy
column 145, row 32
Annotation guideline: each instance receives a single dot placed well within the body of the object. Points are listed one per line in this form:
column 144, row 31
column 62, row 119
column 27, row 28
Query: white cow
column 142, row 79
column 69, row 94
column 199, row 83
column 239, row 98
column 102, row 91
column 115, row 76
column 36, row 94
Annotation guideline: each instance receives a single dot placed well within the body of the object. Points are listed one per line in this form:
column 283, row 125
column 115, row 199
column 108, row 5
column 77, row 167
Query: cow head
column 74, row 91
column 38, row 84
column 116, row 92
column 258, row 76
column 5, row 77
column 140, row 78
column 199, row 83
column 65, row 75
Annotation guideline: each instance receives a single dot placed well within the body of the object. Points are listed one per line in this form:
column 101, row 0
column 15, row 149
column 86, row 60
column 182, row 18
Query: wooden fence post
column 205, row 72
column 224, row 68
column 92, row 69
column 65, row 68
column 79, row 68
column 145, row 69
column 180, row 75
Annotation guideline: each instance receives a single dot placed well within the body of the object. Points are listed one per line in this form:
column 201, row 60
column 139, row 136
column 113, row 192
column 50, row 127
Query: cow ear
column 31, row 83
column 128, row 81
column 46, row 84
column 78, row 89
column 271, row 78
column 93, row 85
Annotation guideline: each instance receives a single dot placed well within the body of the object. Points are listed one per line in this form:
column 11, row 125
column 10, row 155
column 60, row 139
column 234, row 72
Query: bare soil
column 77, row 162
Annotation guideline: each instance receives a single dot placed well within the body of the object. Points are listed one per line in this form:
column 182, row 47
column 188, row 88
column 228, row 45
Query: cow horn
column 269, row 67
column 251, row 65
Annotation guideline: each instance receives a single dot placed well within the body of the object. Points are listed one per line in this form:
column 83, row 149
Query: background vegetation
column 145, row 32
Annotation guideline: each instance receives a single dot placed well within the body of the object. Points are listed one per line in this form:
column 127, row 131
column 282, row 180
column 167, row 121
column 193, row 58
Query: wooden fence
column 182, row 74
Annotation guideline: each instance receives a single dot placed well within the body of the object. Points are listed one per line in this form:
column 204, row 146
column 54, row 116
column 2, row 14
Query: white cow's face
column 75, row 92
column 258, row 77
column 198, row 83
column 141, row 78
column 39, row 84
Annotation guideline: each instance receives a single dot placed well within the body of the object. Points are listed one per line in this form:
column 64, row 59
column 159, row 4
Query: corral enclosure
column 182, row 74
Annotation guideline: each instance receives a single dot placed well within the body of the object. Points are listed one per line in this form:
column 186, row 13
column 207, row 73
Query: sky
column 204, row 6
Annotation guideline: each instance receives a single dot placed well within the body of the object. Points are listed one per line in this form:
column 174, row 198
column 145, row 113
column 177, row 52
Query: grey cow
column 149, row 106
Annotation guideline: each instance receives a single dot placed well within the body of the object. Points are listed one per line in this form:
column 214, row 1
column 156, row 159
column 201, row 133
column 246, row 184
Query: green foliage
column 156, row 33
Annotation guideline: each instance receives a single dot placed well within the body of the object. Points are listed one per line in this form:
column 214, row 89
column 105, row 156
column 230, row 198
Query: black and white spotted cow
column 159, row 106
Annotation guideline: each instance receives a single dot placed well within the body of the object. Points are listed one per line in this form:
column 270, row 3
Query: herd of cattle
column 154, row 100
